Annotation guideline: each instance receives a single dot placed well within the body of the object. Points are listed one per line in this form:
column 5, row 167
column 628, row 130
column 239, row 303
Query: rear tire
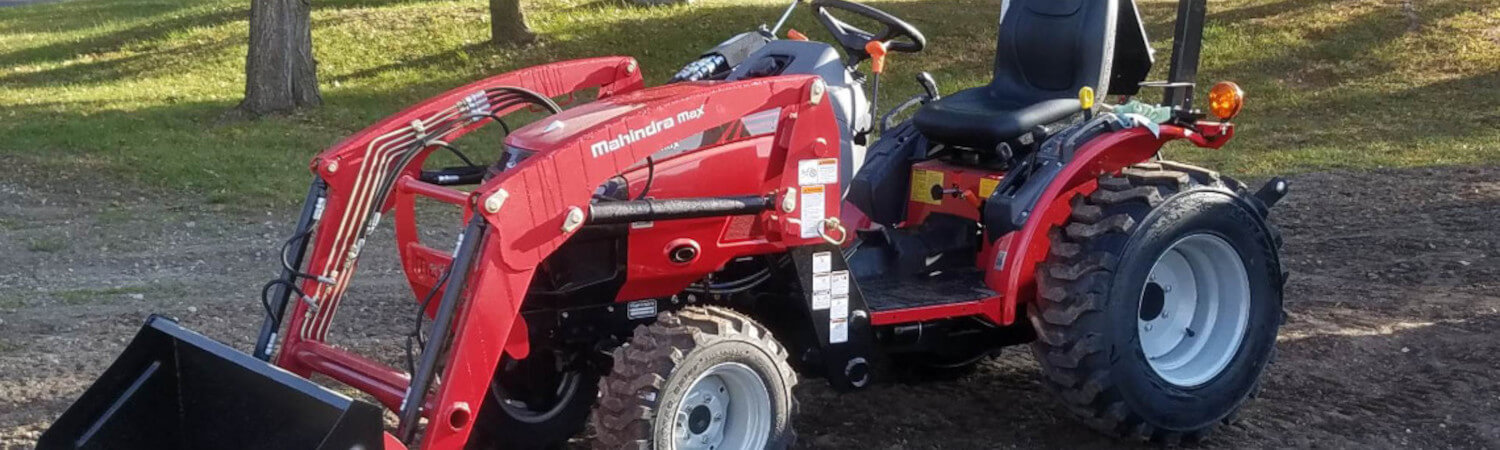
column 707, row 378
column 1105, row 294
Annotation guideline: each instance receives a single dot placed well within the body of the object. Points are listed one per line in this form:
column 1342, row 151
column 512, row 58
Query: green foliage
column 136, row 89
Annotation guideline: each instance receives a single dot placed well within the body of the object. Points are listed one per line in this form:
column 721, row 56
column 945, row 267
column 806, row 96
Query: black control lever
column 929, row 85
column 925, row 79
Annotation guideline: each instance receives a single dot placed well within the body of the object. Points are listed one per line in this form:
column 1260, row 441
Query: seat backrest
column 1050, row 49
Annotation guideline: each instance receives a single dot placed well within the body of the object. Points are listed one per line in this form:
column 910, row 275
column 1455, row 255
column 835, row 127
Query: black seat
column 1046, row 51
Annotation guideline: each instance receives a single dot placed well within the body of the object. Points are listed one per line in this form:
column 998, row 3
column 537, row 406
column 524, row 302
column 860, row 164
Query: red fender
column 1016, row 281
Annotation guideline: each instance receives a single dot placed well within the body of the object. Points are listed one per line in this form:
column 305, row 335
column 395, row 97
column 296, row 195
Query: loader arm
column 526, row 209
column 354, row 177
column 355, row 167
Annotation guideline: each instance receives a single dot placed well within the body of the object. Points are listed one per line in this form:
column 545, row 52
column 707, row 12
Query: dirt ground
column 1392, row 340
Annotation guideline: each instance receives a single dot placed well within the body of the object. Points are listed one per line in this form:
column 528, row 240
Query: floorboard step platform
column 954, row 286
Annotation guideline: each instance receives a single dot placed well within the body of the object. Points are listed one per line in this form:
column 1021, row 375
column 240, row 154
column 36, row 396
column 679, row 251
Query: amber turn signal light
column 1225, row 100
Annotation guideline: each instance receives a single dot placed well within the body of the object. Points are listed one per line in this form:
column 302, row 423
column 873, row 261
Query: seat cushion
column 975, row 119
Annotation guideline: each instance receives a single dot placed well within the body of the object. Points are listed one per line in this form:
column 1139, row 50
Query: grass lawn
column 134, row 89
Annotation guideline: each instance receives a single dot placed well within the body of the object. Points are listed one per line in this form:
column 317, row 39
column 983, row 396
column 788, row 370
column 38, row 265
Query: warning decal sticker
column 922, row 181
column 812, row 211
column 987, row 187
column 813, row 172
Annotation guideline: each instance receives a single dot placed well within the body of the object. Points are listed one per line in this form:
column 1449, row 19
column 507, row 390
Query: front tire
column 531, row 405
column 1129, row 356
column 701, row 378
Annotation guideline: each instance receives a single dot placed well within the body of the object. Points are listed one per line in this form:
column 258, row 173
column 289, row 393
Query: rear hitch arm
column 1270, row 193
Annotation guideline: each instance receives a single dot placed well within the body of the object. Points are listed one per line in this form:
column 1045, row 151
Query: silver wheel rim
column 728, row 407
column 1194, row 309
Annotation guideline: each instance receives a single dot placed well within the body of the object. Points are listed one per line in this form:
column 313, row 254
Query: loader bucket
column 176, row 389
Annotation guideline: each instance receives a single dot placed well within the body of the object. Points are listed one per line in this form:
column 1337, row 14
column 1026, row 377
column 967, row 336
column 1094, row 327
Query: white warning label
column 822, row 262
column 812, row 211
column 839, row 282
column 838, row 331
column 822, row 301
column 838, row 307
column 641, row 308
column 822, row 282
column 813, row 172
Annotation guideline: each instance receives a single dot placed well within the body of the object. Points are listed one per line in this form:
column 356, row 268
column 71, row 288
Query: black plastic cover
column 879, row 189
column 176, row 389
column 1133, row 54
column 1009, row 207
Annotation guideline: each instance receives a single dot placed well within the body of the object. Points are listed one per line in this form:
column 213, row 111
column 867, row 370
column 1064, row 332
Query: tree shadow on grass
column 958, row 50
column 357, row 4
column 1453, row 107
column 53, row 17
column 149, row 29
column 109, row 70
column 1337, row 88
column 690, row 31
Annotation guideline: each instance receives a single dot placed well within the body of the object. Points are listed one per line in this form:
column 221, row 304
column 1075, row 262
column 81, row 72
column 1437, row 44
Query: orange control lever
column 876, row 49
column 972, row 199
column 793, row 34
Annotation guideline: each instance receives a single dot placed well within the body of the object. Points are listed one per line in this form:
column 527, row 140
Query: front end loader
column 668, row 262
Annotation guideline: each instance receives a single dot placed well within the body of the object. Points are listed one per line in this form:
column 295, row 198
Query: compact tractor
column 666, row 263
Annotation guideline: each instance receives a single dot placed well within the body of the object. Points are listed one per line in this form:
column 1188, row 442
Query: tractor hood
column 601, row 122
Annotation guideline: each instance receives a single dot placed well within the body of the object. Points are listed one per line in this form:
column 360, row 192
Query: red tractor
column 668, row 262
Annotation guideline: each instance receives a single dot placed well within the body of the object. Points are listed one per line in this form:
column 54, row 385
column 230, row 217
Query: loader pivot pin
column 573, row 220
column 492, row 205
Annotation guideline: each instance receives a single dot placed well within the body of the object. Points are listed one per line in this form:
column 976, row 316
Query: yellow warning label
column 987, row 187
column 922, row 181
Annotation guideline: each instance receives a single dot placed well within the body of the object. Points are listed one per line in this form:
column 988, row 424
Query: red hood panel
column 550, row 132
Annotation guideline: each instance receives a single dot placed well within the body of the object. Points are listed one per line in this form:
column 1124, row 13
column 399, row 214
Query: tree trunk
column 507, row 24
column 280, row 73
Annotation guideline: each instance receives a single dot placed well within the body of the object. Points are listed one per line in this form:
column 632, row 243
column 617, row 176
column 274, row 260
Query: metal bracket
column 838, row 315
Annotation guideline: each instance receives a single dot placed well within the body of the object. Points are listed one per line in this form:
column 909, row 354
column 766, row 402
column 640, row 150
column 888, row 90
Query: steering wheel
column 854, row 39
